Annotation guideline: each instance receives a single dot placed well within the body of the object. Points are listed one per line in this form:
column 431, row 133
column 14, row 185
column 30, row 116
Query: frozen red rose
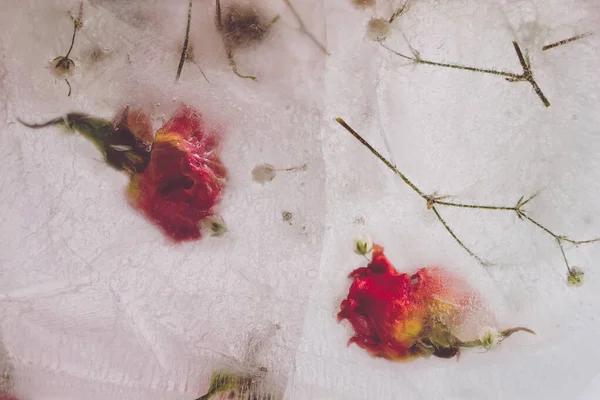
column 184, row 179
column 400, row 316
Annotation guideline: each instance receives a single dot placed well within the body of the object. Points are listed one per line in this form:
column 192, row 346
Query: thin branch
column 185, row 43
column 565, row 41
column 417, row 58
column 432, row 201
column 449, row 204
column 75, row 28
column 527, row 74
column 233, row 65
column 77, row 24
column 439, row 217
column 218, row 18
column 302, row 167
column 399, row 11
column 382, row 158
column 303, row 28
column 63, row 64
column 577, row 242
column 542, row 227
column 201, row 71
column 467, row 68
column 69, row 85
column 563, row 254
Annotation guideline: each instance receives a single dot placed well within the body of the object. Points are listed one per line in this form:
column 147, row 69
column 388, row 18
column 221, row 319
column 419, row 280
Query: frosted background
column 97, row 304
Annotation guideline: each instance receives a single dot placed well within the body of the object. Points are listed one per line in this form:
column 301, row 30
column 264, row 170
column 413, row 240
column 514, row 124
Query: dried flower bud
column 363, row 245
column 378, row 29
column 263, row 173
column 575, row 277
column 243, row 26
column 489, row 338
column 363, row 3
column 62, row 67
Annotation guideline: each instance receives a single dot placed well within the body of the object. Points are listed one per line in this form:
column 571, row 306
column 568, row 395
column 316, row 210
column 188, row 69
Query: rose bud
column 185, row 177
column 400, row 317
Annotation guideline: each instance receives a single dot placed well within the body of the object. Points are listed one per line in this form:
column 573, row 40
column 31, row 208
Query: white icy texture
column 96, row 304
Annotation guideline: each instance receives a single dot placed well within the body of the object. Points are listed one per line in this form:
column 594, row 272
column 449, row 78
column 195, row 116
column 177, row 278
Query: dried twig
column 565, row 41
column 69, row 85
column 527, row 74
column 399, row 11
column 185, row 43
column 303, row 28
column 432, row 201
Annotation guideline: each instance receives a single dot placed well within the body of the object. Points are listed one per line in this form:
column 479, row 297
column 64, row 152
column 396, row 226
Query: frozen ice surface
column 96, row 304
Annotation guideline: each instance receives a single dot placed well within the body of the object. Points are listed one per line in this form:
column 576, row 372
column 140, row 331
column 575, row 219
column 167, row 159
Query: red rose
column 184, row 179
column 399, row 317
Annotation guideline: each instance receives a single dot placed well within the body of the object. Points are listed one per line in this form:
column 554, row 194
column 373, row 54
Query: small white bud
column 363, row 245
column 489, row 338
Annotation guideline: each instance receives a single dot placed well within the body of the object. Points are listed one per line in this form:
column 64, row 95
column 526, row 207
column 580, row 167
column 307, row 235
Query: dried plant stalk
column 303, row 28
column 565, row 41
column 525, row 76
column 185, row 42
column 432, row 201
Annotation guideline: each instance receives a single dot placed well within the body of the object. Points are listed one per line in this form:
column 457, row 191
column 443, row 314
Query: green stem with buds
column 304, row 30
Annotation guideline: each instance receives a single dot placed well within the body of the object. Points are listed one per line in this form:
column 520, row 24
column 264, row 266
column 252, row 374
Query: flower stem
column 304, row 30
column 378, row 155
column 419, row 60
column 565, row 41
column 77, row 24
column 302, row 167
column 218, row 18
column 72, row 39
column 503, row 335
column 527, row 74
column 185, row 42
column 432, row 201
column 449, row 204
column 233, row 65
column 69, row 85
column 439, row 217
column 399, row 11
